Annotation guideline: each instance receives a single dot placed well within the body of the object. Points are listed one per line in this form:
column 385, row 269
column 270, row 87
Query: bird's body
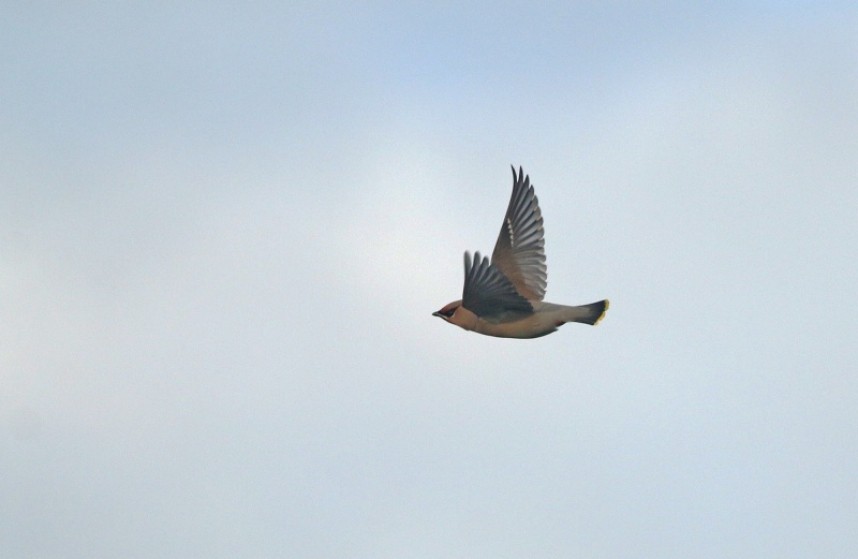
column 503, row 297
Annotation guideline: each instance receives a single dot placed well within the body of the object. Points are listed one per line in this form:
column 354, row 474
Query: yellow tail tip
column 604, row 312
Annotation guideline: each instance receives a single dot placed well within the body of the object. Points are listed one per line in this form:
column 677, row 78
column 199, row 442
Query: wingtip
column 520, row 176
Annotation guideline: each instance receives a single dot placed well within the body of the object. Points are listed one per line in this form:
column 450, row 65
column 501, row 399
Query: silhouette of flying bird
column 503, row 296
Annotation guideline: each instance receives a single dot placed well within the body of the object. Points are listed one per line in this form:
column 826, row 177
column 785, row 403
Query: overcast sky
column 223, row 230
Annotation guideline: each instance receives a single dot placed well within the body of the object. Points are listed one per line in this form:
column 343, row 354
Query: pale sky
column 223, row 231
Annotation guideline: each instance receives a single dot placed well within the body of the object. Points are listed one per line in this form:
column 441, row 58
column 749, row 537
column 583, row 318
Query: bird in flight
column 503, row 296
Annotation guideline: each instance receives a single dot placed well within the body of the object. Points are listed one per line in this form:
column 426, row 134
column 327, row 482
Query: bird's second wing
column 520, row 250
column 489, row 294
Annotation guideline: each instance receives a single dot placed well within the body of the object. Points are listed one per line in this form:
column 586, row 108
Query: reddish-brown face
column 448, row 310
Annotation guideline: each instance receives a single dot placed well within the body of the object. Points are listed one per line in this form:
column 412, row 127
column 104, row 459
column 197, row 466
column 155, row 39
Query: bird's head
column 455, row 313
column 448, row 311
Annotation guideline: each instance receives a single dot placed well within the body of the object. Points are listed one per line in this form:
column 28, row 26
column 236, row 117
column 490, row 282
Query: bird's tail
column 588, row 314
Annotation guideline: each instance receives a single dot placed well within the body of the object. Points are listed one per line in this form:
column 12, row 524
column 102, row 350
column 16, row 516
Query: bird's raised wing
column 520, row 250
column 489, row 294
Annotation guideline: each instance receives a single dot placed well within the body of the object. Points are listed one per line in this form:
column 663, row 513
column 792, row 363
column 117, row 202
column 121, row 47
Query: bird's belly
column 531, row 326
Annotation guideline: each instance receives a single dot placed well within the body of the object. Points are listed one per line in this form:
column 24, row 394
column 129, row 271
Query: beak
column 436, row 313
